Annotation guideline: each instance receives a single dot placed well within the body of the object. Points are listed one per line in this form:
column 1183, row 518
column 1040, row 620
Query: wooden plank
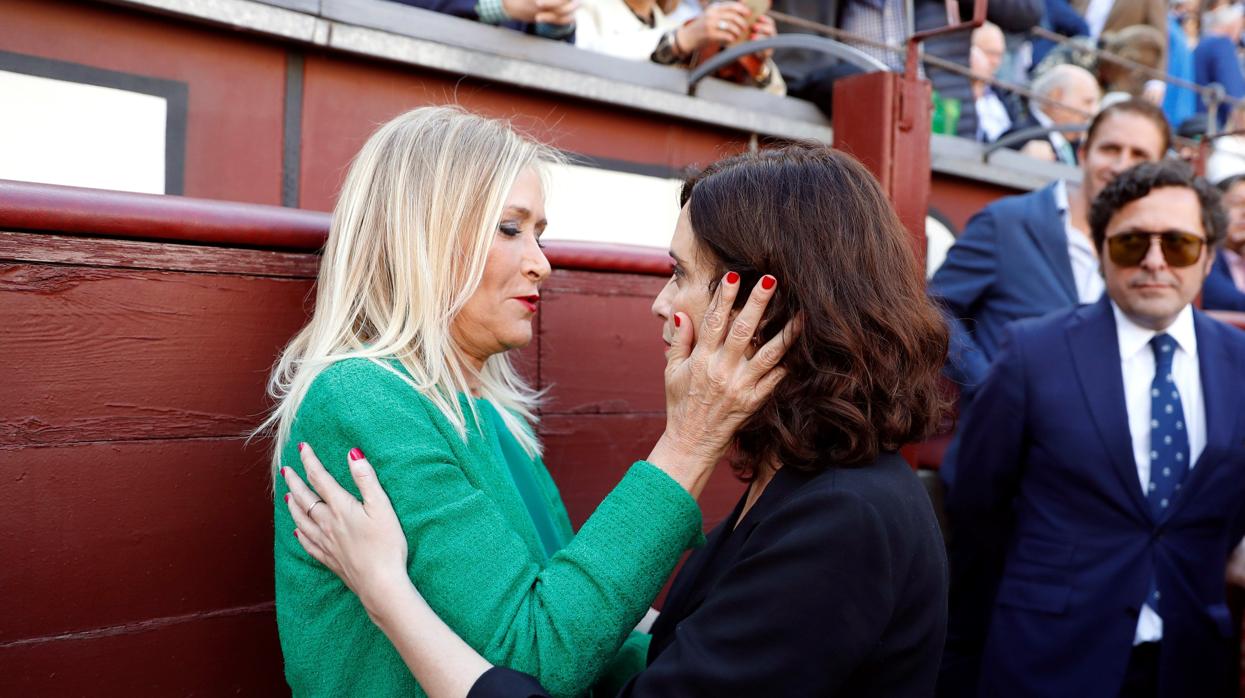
column 601, row 348
column 236, row 654
column 134, row 254
column 92, row 354
column 589, row 454
column 103, row 535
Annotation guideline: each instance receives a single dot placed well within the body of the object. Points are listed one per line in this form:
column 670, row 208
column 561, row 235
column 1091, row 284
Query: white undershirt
column 1137, row 366
column 1089, row 283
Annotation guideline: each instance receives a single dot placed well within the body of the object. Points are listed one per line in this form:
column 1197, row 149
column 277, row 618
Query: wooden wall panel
column 958, row 199
column 236, row 81
column 345, row 99
column 115, row 533
column 601, row 347
column 228, row 654
column 102, row 354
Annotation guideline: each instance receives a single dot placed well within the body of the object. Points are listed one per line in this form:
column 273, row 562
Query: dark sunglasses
column 1179, row 249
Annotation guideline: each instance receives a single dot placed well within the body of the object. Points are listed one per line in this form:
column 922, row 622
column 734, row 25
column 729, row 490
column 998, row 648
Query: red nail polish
column 296, row 533
column 283, row 469
column 301, row 446
column 767, row 282
column 287, row 497
column 356, row 454
column 677, row 321
column 732, row 277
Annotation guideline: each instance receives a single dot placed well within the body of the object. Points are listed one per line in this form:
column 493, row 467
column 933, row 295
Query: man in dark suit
column 1101, row 487
column 1028, row 255
column 1076, row 93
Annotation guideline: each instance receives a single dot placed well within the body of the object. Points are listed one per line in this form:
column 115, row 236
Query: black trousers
column 1141, row 679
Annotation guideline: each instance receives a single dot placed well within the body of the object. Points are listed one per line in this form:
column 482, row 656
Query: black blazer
column 834, row 584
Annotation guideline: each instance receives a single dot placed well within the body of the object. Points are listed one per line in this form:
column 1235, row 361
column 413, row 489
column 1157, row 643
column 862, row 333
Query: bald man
column 1075, row 94
column 994, row 117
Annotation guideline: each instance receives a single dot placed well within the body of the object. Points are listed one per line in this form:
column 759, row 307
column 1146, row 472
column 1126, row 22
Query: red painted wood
column 236, row 83
column 135, row 254
column 589, row 454
column 884, row 123
column 601, row 352
column 959, row 199
column 121, row 532
column 96, row 354
column 346, row 98
column 214, row 656
column 28, row 206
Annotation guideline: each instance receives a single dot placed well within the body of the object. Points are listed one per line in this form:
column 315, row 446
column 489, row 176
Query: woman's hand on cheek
column 361, row 542
column 713, row 385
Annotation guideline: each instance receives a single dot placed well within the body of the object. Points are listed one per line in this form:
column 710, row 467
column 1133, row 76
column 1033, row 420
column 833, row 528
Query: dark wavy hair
column 1137, row 182
column 863, row 375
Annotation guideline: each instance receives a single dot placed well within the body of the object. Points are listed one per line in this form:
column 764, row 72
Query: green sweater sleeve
column 561, row 622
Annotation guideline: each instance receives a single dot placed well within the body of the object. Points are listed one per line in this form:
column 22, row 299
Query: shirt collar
column 1040, row 116
column 1061, row 195
column 1133, row 337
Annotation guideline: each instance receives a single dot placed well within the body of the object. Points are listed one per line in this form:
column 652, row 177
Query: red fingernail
column 287, row 496
column 732, row 277
column 677, row 321
column 283, row 469
column 767, row 282
column 296, row 533
column 301, row 445
column 356, row 454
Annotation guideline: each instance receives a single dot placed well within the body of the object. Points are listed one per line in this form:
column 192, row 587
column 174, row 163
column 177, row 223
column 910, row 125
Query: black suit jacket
column 834, row 584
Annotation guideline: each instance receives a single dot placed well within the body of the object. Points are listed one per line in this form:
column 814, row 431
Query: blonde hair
column 406, row 249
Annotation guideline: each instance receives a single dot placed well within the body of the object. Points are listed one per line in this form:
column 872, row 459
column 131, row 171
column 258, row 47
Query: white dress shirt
column 1096, row 13
column 1059, row 142
column 992, row 117
column 1137, row 365
column 1089, row 283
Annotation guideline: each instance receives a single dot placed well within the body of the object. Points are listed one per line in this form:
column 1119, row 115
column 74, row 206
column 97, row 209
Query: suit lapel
column 1045, row 225
column 1221, row 395
column 1096, row 357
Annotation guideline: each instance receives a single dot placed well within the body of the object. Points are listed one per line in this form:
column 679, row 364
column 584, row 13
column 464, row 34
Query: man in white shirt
column 984, row 58
column 1101, row 483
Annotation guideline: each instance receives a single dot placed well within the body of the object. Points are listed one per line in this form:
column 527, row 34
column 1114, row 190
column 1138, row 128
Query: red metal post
column 884, row 121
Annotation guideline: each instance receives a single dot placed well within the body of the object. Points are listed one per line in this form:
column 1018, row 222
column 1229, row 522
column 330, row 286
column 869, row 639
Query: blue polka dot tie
column 1169, row 439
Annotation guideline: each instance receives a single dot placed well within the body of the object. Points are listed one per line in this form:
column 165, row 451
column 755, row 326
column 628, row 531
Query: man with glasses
column 1101, row 489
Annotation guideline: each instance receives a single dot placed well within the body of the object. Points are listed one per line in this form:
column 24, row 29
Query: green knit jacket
column 474, row 553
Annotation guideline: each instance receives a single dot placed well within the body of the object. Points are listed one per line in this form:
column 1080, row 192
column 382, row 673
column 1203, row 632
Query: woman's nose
column 661, row 304
column 536, row 264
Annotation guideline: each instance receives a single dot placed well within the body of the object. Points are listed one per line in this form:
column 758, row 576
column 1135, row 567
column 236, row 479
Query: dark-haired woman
column 829, row 578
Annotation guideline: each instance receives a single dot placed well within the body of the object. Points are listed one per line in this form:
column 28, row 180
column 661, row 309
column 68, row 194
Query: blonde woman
column 431, row 273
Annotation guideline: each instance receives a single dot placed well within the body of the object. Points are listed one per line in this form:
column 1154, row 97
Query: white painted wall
column 59, row 132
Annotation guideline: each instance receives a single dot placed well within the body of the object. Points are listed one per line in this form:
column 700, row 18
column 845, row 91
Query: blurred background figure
column 1215, row 59
column 552, row 19
column 994, row 117
column 1225, row 286
column 1140, row 43
column 1077, row 93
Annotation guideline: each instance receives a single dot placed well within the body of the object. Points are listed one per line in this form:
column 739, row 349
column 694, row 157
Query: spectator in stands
column 1142, row 44
column 1215, row 59
column 1061, row 19
column 1101, row 484
column 1075, row 93
column 994, row 117
column 552, row 19
column 1225, row 287
column 640, row 30
column 1109, row 17
column 1227, row 157
column 811, row 75
column 1029, row 255
column 1179, row 103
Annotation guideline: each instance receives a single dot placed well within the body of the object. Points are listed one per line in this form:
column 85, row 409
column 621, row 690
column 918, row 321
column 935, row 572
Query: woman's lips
column 528, row 302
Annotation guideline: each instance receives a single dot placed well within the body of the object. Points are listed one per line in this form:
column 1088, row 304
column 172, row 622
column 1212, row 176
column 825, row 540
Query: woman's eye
column 510, row 230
